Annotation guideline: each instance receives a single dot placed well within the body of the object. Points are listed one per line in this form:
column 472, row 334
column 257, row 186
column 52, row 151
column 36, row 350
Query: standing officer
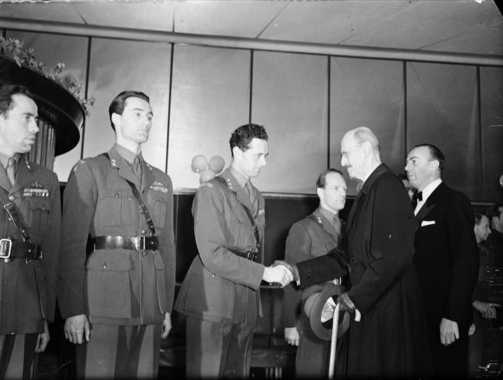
column 117, row 298
column 29, row 237
column 220, row 293
column 313, row 236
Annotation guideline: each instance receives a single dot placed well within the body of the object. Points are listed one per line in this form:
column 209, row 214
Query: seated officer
column 313, row 236
column 118, row 298
column 29, row 233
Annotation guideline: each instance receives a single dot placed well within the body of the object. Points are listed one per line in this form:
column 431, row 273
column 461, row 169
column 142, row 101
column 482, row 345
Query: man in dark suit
column 315, row 235
column 445, row 258
column 389, row 340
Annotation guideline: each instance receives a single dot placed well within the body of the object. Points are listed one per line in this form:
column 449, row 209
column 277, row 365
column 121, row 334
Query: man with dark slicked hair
column 29, row 232
column 117, row 298
column 220, row 292
column 446, row 260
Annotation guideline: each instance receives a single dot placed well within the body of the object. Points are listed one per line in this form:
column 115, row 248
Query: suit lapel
column 430, row 203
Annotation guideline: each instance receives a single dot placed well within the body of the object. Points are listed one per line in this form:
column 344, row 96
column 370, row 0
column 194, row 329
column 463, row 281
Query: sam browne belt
column 138, row 243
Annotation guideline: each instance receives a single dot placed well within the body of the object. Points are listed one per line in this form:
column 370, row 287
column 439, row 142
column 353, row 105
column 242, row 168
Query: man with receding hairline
column 389, row 339
column 446, row 259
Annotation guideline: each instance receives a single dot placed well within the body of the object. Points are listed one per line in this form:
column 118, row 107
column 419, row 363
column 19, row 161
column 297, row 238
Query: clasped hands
column 279, row 272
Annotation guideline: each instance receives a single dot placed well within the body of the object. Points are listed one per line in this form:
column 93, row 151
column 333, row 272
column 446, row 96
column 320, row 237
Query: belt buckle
column 5, row 249
column 142, row 243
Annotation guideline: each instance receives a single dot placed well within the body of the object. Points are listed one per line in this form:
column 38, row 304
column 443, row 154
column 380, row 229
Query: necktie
column 136, row 166
column 251, row 194
column 417, row 197
column 10, row 170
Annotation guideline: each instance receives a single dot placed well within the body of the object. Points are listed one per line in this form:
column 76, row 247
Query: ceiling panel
column 136, row 15
column 236, row 18
column 462, row 26
column 425, row 23
column 329, row 22
column 62, row 12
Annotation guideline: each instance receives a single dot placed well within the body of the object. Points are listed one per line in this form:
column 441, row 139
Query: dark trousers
column 218, row 349
column 17, row 356
column 120, row 352
column 449, row 361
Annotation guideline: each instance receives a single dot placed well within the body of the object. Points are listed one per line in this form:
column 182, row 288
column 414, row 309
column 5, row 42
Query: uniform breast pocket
column 39, row 210
column 116, row 209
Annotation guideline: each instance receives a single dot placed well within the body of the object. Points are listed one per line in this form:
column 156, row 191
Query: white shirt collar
column 430, row 188
column 427, row 191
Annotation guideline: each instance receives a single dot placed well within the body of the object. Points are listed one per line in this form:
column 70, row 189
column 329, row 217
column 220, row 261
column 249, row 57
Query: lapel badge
column 113, row 162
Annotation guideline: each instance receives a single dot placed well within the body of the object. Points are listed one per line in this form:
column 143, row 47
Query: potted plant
column 61, row 109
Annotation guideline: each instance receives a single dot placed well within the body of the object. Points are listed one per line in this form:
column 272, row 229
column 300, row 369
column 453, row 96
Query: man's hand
column 42, row 339
column 449, row 331
column 292, row 336
column 77, row 329
column 487, row 309
column 346, row 303
column 166, row 325
column 278, row 273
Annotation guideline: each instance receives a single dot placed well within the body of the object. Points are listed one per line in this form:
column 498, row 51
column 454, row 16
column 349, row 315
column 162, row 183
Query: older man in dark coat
column 389, row 339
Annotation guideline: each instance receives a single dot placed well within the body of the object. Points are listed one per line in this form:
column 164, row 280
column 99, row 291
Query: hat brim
column 318, row 327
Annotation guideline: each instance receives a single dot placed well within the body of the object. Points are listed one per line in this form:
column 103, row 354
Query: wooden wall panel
column 442, row 110
column 210, row 100
column 491, row 89
column 290, row 100
column 367, row 92
column 127, row 65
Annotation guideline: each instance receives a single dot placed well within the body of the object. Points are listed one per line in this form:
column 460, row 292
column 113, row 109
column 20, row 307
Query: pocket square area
column 425, row 223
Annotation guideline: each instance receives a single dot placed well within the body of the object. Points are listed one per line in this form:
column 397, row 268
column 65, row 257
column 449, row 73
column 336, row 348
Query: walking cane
column 333, row 342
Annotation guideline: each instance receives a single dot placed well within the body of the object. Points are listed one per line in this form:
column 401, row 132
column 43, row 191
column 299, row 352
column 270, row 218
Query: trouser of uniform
column 120, row 352
column 313, row 354
column 17, row 356
column 218, row 349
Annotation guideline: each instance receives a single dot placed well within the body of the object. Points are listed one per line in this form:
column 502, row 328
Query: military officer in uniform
column 117, row 298
column 313, row 236
column 220, row 293
column 29, row 237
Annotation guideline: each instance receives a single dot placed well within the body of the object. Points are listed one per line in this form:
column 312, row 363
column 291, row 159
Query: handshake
column 280, row 272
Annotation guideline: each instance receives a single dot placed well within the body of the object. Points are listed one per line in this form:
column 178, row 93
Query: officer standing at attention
column 220, row 293
column 29, row 237
column 117, row 298
column 315, row 235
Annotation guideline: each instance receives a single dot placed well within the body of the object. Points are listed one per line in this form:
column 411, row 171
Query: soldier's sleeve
column 51, row 246
column 210, row 229
column 79, row 203
column 297, row 248
column 168, row 249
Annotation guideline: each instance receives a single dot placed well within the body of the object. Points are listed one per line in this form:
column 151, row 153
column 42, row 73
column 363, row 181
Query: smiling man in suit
column 445, row 258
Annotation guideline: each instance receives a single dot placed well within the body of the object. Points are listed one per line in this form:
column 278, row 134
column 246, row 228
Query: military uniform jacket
column 27, row 288
column 310, row 237
column 220, row 285
column 116, row 286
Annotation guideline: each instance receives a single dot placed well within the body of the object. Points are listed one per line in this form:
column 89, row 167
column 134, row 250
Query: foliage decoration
column 15, row 50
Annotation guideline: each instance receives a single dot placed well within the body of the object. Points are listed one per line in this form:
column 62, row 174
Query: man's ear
column 116, row 119
column 236, row 151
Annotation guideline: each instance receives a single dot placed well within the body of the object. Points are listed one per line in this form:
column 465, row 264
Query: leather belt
column 250, row 254
column 17, row 249
column 137, row 243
